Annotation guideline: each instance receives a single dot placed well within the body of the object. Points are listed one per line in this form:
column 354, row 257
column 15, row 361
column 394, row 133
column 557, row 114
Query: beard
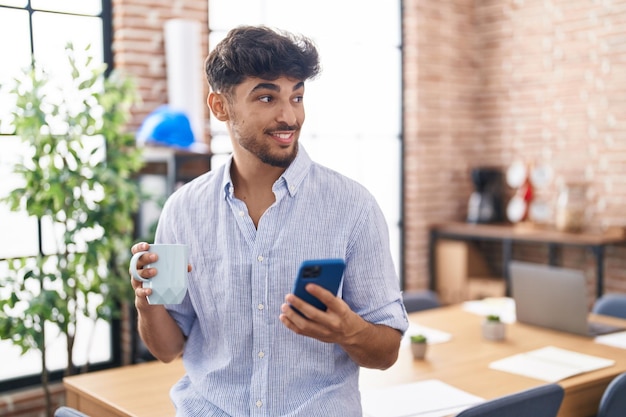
column 280, row 161
column 263, row 150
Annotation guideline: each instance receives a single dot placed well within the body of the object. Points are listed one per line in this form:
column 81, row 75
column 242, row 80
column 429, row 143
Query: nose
column 287, row 114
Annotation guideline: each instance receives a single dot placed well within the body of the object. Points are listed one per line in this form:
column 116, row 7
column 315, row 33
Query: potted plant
column 419, row 345
column 78, row 176
column 493, row 328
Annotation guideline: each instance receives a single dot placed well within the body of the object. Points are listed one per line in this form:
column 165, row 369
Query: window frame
column 116, row 340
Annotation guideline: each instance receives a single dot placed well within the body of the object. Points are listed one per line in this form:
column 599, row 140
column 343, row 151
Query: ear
column 218, row 105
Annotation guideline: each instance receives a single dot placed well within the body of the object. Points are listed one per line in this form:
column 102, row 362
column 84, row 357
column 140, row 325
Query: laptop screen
column 550, row 296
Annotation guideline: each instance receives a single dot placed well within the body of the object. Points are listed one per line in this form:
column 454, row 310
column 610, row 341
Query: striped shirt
column 240, row 360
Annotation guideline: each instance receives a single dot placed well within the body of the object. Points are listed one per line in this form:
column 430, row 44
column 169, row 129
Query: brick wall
column 139, row 49
column 488, row 82
column 441, row 84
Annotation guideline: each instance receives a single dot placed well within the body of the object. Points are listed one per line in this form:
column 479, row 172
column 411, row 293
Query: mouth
column 283, row 137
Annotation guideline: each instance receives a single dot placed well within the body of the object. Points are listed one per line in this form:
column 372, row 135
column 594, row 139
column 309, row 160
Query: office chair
column 542, row 401
column 68, row 412
column 420, row 300
column 613, row 401
column 611, row 305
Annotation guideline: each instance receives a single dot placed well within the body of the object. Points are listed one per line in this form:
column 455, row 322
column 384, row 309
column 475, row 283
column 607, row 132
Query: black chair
column 542, row 401
column 420, row 300
column 613, row 401
column 611, row 305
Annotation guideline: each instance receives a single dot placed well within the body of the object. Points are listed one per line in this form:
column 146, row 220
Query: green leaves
column 79, row 176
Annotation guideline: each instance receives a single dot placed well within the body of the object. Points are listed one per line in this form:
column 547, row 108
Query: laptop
column 553, row 297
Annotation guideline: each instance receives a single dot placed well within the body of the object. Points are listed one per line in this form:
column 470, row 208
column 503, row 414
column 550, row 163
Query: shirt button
column 261, row 355
column 259, row 258
column 241, row 214
column 259, row 403
column 260, row 306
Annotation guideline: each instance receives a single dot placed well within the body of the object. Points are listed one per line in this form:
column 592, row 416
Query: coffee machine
column 486, row 203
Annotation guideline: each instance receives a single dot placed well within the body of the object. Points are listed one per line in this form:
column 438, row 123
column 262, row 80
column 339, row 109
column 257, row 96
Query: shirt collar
column 297, row 171
column 292, row 177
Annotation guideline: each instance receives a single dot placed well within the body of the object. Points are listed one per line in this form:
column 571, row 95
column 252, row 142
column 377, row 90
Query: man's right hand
column 146, row 259
column 156, row 327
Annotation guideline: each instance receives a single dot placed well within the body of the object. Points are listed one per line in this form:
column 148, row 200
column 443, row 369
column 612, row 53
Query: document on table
column 432, row 335
column 428, row 398
column 614, row 339
column 501, row 306
column 550, row 364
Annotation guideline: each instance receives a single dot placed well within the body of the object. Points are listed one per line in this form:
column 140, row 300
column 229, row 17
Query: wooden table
column 509, row 234
column 142, row 390
column 130, row 391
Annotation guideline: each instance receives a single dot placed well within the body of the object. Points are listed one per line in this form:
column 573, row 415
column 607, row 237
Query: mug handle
column 133, row 267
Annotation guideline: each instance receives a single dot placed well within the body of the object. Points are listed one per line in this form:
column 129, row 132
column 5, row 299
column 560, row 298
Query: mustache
column 283, row 126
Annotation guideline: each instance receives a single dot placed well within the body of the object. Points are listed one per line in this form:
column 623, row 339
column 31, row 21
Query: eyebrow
column 274, row 87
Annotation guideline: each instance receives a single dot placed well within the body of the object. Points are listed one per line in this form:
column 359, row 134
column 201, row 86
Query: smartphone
column 326, row 273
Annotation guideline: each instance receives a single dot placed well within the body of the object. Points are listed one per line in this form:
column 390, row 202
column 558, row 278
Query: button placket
column 261, row 322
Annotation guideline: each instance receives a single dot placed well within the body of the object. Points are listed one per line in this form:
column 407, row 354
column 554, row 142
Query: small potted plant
column 493, row 328
column 418, row 346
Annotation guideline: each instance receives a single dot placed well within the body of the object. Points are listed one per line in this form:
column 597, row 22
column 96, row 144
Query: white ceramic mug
column 169, row 285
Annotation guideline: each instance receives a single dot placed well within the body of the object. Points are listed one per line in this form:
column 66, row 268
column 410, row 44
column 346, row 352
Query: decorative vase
column 419, row 350
column 494, row 330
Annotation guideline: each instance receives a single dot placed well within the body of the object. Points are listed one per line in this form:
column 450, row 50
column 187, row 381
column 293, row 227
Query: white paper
column 614, row 339
column 433, row 336
column 428, row 398
column 501, row 306
column 550, row 364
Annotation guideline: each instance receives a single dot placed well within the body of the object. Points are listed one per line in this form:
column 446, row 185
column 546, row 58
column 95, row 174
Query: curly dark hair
column 258, row 51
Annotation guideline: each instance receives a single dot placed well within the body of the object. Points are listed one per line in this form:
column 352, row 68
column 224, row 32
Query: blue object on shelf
column 168, row 127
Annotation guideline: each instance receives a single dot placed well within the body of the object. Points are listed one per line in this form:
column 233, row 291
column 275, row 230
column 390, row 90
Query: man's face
column 265, row 118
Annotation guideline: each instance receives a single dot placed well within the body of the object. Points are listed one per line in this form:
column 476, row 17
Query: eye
column 265, row 99
column 298, row 99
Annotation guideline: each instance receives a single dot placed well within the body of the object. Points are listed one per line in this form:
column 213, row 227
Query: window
column 41, row 29
column 353, row 109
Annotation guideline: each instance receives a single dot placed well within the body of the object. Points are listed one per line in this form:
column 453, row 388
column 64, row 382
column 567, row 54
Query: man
column 249, row 224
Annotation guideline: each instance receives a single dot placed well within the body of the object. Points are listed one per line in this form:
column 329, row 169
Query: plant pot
column 419, row 350
column 494, row 330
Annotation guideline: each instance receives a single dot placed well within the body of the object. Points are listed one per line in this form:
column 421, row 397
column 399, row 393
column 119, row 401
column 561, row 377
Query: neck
column 253, row 185
column 253, row 175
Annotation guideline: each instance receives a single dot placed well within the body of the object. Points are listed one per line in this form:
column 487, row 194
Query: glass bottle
column 570, row 207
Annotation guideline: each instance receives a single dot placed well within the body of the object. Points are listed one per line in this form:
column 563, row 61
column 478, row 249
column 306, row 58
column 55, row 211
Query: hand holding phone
column 327, row 273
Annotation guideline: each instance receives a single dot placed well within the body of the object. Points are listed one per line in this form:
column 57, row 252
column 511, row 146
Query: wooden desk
column 130, row 391
column 509, row 234
column 142, row 390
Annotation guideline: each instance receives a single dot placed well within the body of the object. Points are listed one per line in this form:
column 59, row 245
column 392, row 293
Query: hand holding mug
column 169, row 285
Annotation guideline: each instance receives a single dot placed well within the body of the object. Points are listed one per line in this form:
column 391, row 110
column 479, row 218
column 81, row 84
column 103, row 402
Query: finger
column 306, row 326
column 146, row 259
column 141, row 297
column 142, row 292
column 138, row 247
column 290, row 318
column 142, row 270
column 144, row 273
column 322, row 294
column 310, row 312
